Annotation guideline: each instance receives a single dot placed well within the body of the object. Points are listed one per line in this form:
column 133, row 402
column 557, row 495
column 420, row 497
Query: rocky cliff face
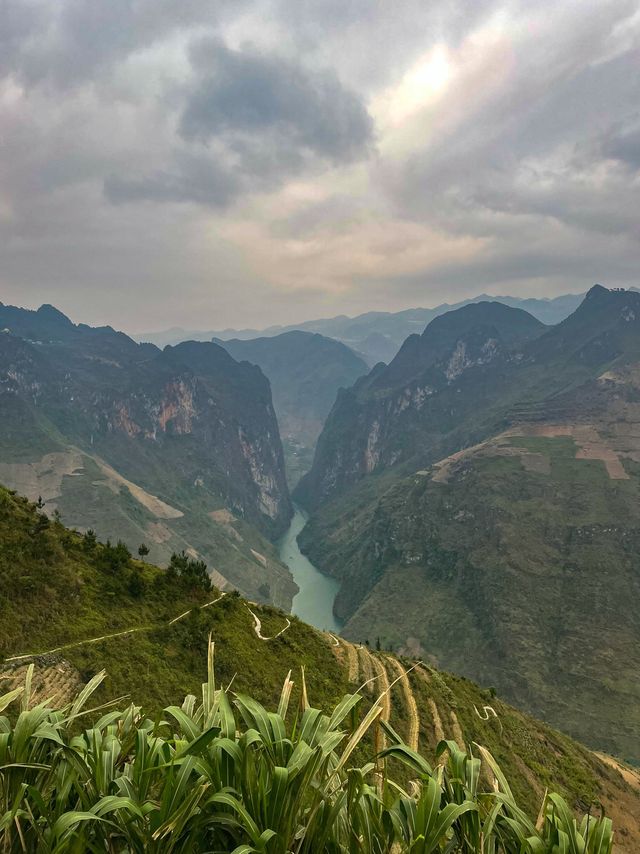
column 431, row 386
column 469, row 374
column 188, row 425
column 306, row 371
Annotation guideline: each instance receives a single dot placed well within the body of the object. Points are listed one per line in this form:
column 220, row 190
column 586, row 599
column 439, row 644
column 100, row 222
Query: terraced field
column 153, row 645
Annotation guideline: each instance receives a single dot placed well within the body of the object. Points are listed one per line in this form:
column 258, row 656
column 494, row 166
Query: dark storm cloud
column 250, row 92
column 140, row 138
column 253, row 120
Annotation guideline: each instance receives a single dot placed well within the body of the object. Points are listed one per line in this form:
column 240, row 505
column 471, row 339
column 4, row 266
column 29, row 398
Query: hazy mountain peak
column 51, row 313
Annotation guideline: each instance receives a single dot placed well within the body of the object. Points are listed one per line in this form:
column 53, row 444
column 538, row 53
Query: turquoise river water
column 314, row 602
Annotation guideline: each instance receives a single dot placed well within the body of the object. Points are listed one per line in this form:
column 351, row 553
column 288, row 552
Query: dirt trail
column 437, row 723
column 352, row 662
column 410, row 701
column 382, row 685
column 458, row 737
column 75, row 644
column 257, row 627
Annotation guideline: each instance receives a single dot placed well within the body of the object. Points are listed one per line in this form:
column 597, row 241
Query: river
column 314, row 602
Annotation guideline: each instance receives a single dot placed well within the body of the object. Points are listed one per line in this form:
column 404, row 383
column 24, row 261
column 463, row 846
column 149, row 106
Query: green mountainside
column 437, row 390
column 76, row 606
column 492, row 523
column 178, row 449
column 305, row 371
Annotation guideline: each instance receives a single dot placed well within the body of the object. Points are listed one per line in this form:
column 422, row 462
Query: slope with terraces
column 153, row 644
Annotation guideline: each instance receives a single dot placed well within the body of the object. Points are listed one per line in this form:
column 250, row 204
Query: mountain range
column 376, row 335
column 166, row 448
column 478, row 499
column 305, row 370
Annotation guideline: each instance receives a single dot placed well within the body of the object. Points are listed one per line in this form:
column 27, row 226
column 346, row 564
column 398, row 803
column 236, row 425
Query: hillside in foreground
column 67, row 594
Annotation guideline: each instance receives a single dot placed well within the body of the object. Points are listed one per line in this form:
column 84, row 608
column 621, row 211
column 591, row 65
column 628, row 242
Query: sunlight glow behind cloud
column 280, row 160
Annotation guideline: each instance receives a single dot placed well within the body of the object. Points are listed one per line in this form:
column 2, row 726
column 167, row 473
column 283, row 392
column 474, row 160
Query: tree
column 136, row 584
column 114, row 558
column 89, row 540
column 40, row 503
column 143, row 551
column 188, row 572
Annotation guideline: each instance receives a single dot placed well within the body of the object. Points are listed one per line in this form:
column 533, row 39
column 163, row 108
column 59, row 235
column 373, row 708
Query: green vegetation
column 519, row 564
column 145, row 445
column 78, row 607
column 478, row 498
column 85, row 588
column 225, row 774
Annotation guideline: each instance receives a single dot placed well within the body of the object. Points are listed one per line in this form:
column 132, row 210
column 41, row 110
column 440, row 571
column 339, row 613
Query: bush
column 136, row 586
column 113, row 559
column 189, row 573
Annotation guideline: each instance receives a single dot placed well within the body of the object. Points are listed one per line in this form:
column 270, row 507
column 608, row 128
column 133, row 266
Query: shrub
column 191, row 574
column 114, row 559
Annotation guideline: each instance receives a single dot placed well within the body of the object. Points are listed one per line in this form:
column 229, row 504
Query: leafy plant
column 225, row 774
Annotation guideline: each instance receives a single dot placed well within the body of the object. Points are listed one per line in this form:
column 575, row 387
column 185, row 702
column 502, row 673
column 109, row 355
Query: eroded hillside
column 147, row 446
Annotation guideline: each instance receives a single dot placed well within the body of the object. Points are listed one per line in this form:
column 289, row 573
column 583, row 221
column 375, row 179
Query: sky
column 215, row 163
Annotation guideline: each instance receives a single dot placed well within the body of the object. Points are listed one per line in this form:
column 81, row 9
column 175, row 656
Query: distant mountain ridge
column 478, row 499
column 305, row 370
column 378, row 335
column 436, row 381
column 154, row 446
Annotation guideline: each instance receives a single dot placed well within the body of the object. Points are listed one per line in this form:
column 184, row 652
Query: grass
column 226, row 774
column 70, row 598
column 475, row 553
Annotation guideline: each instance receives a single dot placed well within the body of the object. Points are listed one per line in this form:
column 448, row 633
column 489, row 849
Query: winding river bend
column 314, row 602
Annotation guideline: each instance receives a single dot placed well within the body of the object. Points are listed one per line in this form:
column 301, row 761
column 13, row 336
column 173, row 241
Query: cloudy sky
column 208, row 163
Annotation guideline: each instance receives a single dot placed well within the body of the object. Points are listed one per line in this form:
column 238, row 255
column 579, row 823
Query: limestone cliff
column 188, row 426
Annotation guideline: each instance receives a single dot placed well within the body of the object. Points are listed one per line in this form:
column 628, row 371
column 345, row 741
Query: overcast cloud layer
column 248, row 162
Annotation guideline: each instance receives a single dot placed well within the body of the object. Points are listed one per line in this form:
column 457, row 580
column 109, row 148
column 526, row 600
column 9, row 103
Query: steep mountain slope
column 378, row 335
column 504, row 542
column 152, row 640
column 305, row 371
column 437, row 380
column 166, row 447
